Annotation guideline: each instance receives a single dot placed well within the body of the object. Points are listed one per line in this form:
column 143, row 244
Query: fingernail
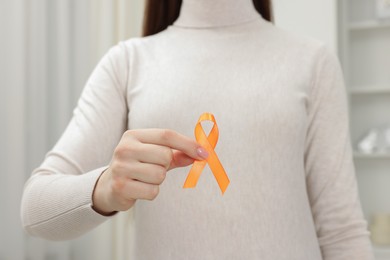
column 202, row 153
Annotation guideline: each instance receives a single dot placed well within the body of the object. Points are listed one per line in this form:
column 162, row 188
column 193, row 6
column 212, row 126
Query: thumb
column 179, row 159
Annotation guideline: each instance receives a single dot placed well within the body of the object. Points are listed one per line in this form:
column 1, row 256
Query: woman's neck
column 215, row 13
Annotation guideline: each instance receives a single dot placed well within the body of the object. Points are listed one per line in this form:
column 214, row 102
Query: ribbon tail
column 194, row 174
column 218, row 172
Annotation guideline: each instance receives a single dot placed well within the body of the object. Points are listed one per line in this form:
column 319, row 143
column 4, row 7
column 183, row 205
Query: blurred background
column 49, row 48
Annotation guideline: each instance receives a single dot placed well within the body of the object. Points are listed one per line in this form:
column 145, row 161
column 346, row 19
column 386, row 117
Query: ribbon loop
column 208, row 142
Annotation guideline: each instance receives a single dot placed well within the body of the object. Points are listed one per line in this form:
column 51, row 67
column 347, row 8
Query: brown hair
column 159, row 14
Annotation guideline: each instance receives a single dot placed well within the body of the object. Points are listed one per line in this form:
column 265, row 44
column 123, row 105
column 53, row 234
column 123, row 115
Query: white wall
column 315, row 18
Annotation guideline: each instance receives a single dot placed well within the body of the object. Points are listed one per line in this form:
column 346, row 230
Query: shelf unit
column 358, row 155
column 368, row 25
column 374, row 90
column 364, row 44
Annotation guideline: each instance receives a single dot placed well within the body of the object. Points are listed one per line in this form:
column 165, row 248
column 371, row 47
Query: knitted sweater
column 281, row 108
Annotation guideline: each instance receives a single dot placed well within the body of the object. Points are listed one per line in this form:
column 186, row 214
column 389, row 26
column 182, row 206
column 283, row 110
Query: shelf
column 364, row 41
column 369, row 90
column 369, row 24
column 358, row 155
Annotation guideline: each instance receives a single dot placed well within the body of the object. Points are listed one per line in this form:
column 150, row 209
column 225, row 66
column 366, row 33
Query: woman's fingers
column 147, row 173
column 141, row 190
column 139, row 165
column 151, row 153
column 180, row 159
column 163, row 147
column 126, row 195
column 154, row 173
column 171, row 139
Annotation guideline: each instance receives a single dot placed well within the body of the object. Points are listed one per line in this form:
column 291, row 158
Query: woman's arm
column 97, row 162
column 57, row 198
column 330, row 174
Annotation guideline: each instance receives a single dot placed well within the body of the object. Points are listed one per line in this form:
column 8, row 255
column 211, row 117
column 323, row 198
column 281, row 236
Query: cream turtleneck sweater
column 280, row 104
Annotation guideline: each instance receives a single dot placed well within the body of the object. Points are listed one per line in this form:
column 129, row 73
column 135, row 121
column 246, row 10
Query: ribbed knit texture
column 280, row 104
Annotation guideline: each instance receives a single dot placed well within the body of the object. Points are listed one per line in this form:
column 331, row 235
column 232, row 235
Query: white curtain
column 48, row 49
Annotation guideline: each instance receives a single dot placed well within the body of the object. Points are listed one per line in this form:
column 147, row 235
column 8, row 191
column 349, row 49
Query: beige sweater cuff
column 67, row 214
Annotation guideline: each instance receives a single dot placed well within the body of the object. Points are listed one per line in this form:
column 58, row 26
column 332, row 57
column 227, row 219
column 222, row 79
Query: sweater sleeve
column 57, row 198
column 330, row 174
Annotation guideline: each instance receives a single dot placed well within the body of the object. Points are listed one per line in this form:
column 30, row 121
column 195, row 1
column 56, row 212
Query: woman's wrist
column 98, row 197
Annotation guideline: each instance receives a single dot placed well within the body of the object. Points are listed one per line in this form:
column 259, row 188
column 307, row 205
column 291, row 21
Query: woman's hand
column 139, row 165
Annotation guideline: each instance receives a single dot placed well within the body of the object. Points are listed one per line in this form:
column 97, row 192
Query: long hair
column 159, row 14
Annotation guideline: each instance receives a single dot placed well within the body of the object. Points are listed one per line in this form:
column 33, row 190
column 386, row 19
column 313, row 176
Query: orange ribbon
column 208, row 142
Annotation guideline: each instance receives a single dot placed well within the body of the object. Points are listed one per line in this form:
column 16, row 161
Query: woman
column 280, row 104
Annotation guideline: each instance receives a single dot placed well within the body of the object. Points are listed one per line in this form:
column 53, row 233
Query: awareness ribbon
column 208, row 142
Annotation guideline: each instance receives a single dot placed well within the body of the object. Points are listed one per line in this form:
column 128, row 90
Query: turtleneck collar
column 215, row 13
